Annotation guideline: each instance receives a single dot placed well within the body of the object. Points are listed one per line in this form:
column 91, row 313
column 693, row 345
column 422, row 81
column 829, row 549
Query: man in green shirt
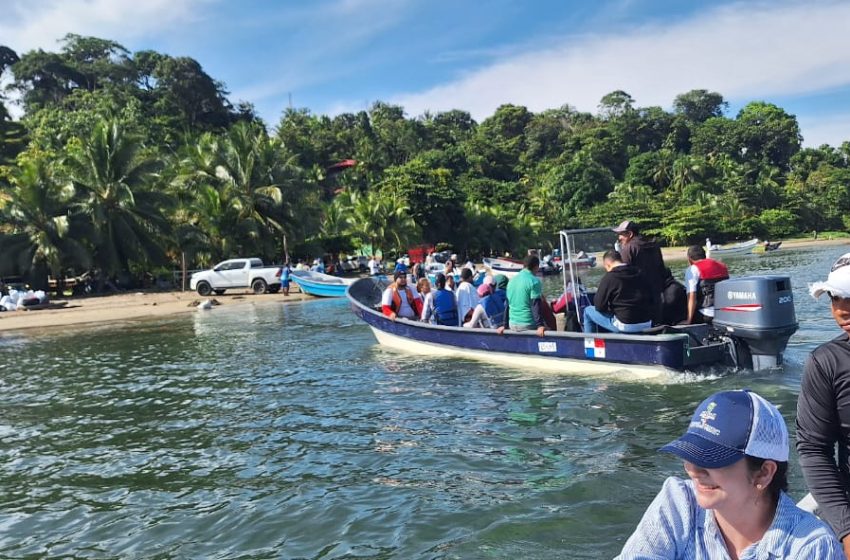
column 524, row 291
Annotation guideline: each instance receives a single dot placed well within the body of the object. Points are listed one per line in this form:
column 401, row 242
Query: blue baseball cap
column 728, row 425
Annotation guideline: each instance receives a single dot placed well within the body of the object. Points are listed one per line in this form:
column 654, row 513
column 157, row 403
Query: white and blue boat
column 321, row 285
column 750, row 330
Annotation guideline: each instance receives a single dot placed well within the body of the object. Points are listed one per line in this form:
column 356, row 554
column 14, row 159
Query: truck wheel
column 204, row 288
column 259, row 286
column 219, row 292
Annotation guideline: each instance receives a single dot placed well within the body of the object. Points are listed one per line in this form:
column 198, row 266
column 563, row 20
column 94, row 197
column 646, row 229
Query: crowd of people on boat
column 637, row 292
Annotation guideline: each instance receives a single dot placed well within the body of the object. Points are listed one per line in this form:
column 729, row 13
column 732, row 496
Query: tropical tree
column 119, row 209
column 36, row 225
column 379, row 220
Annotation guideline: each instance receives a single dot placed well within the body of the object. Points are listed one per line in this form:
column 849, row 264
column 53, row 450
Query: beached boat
column 508, row 267
column 713, row 250
column 322, row 285
column 754, row 320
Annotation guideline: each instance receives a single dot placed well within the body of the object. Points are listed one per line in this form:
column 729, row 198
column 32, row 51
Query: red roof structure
column 341, row 166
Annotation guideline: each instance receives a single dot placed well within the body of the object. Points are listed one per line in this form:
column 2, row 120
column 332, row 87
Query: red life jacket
column 415, row 304
column 710, row 273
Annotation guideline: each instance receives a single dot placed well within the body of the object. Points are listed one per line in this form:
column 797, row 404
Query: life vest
column 445, row 308
column 710, row 273
column 396, row 301
column 494, row 305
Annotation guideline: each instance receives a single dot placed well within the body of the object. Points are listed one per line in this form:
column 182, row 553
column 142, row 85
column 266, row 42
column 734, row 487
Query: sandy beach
column 74, row 313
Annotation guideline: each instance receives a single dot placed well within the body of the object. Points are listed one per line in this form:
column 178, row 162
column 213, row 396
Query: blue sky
column 341, row 55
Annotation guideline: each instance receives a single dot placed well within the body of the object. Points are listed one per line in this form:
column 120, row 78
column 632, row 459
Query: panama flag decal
column 594, row 347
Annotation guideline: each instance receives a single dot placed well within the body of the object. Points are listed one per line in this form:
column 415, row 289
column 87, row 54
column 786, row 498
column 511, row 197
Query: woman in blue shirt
column 734, row 505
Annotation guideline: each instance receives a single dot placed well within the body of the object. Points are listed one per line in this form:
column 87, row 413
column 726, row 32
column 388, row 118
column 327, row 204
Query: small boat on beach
column 321, row 285
column 742, row 248
column 508, row 267
column 754, row 320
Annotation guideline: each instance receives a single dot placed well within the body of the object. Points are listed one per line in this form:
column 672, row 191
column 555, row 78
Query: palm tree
column 260, row 193
column 36, row 225
column 123, row 216
column 378, row 220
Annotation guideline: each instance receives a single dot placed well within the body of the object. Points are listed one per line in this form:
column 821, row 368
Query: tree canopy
column 124, row 160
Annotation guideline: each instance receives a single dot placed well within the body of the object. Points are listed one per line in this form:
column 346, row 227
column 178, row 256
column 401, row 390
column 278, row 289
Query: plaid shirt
column 675, row 527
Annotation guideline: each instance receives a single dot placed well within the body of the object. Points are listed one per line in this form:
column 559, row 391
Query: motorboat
column 321, row 285
column 754, row 318
column 508, row 267
column 742, row 248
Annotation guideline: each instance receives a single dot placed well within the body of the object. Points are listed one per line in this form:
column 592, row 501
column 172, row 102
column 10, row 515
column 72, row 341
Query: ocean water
column 284, row 431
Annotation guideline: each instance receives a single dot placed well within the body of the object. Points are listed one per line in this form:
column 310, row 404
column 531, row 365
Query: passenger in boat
column 637, row 250
column 524, row 300
column 490, row 311
column 450, row 282
column 423, row 288
column 734, row 505
column 674, row 299
column 398, row 300
column 700, row 278
column 623, row 302
column 823, row 409
column 467, row 295
column 449, row 268
column 440, row 305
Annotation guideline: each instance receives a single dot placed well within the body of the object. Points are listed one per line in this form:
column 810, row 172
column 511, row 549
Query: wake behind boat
column 322, row 285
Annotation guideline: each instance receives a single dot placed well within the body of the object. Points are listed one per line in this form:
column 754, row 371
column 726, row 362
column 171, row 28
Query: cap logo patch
column 707, row 416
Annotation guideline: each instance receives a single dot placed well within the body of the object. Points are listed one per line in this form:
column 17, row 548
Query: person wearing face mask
column 823, row 410
column 733, row 505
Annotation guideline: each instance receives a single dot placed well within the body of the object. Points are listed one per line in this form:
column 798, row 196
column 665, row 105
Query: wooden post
column 285, row 250
column 183, row 268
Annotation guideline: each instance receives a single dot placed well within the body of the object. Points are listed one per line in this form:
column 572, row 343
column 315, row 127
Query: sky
column 333, row 56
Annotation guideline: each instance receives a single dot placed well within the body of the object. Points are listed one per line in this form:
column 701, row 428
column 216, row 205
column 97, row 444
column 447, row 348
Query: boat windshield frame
column 567, row 264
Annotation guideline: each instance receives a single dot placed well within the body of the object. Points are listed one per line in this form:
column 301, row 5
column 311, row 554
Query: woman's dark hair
column 440, row 281
column 779, row 483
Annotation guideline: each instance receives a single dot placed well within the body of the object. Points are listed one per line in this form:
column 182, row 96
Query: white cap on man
column 838, row 281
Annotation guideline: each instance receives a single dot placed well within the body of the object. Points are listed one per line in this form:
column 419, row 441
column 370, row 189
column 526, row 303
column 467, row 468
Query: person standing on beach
column 644, row 254
column 823, row 410
column 285, row 275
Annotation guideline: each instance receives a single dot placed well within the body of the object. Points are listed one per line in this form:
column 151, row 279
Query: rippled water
column 283, row 431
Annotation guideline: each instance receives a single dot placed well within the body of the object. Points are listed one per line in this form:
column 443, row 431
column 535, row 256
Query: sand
column 75, row 313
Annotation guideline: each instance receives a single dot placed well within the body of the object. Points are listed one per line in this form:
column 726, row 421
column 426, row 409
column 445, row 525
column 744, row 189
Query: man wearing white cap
column 823, row 410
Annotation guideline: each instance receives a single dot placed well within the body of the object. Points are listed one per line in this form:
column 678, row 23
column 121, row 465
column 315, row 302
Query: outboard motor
column 757, row 312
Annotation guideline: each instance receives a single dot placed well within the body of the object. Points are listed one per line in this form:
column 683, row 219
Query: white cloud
column 36, row 24
column 743, row 51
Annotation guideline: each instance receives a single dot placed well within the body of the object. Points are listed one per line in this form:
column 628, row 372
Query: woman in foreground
column 734, row 506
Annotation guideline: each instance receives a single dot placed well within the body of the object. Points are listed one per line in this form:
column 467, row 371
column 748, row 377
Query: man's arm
column 603, row 294
column 692, row 307
column 818, row 432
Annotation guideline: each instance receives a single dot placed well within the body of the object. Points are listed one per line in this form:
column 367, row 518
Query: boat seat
column 697, row 333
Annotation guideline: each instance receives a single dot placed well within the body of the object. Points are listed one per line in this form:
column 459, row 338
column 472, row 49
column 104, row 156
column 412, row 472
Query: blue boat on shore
column 321, row 285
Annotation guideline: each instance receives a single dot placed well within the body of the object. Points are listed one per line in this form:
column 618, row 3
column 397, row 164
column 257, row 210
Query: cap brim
column 819, row 288
column 703, row 453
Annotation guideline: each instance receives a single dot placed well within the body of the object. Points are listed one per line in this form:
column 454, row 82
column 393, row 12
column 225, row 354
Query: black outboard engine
column 757, row 312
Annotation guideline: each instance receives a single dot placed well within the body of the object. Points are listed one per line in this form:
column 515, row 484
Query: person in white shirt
column 374, row 267
column 467, row 296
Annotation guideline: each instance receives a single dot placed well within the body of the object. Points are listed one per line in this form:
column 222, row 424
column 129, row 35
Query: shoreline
column 75, row 313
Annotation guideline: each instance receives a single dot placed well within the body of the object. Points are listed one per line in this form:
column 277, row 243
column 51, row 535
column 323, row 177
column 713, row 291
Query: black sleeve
column 818, row 432
column 536, row 314
column 506, row 316
column 603, row 294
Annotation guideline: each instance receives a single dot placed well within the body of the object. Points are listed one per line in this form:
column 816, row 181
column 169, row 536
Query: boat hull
column 735, row 249
column 640, row 356
column 321, row 285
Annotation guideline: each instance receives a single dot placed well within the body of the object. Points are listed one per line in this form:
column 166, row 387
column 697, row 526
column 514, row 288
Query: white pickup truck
column 237, row 273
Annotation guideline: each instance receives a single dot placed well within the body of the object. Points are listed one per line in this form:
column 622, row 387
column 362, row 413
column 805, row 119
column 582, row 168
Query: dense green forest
column 125, row 161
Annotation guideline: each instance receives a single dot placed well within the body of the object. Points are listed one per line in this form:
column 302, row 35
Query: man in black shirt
column 645, row 254
column 622, row 302
column 823, row 410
